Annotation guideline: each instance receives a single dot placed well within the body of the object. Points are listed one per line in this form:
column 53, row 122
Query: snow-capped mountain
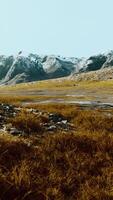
column 18, row 69
column 33, row 67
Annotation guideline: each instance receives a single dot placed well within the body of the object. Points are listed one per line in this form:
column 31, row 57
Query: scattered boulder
column 52, row 128
column 14, row 131
column 63, row 124
column 55, row 117
column 55, row 121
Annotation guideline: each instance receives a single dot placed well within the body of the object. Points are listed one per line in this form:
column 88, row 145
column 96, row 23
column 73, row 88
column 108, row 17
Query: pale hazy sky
column 61, row 27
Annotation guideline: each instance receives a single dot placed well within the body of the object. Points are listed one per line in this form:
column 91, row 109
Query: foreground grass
column 60, row 166
column 73, row 165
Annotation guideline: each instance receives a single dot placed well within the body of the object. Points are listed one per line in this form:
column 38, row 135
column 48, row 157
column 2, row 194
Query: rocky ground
column 55, row 121
column 99, row 75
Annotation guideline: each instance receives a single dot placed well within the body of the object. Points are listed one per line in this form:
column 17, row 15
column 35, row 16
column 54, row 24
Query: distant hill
column 19, row 69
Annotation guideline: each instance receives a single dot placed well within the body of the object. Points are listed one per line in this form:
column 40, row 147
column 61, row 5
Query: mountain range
column 19, row 69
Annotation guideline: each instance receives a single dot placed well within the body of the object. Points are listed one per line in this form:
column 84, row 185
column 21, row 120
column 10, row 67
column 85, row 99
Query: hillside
column 99, row 75
column 98, row 67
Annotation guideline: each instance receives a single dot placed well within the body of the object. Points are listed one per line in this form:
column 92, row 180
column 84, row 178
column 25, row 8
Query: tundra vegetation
column 62, row 164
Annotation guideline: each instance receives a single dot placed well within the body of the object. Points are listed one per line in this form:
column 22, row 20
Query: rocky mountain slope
column 99, row 67
column 98, row 75
column 18, row 69
column 33, row 68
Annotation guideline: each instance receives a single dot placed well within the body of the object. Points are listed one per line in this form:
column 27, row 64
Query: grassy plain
column 63, row 165
column 58, row 89
column 62, row 83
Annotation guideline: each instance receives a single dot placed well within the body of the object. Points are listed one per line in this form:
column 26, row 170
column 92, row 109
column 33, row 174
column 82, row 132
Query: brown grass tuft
column 63, row 166
column 29, row 123
column 72, row 165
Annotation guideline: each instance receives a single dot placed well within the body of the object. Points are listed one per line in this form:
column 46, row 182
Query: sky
column 78, row 28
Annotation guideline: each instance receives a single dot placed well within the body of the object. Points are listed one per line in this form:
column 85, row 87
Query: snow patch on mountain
column 21, row 68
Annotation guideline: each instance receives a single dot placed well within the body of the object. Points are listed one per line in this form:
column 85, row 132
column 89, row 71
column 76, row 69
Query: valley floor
column 53, row 149
column 59, row 91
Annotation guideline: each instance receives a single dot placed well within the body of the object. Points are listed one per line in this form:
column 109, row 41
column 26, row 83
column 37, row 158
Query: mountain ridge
column 18, row 69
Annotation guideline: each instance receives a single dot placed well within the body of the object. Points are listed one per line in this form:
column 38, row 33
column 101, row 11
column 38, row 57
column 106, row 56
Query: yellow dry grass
column 72, row 165
column 75, row 166
column 59, row 84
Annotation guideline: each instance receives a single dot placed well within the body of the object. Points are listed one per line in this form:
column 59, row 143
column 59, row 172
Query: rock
column 51, row 128
column 7, row 127
column 64, row 122
column 14, row 131
column 40, row 113
column 18, row 109
column 55, row 117
column 31, row 110
column 46, row 124
column 29, row 144
column 14, row 114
